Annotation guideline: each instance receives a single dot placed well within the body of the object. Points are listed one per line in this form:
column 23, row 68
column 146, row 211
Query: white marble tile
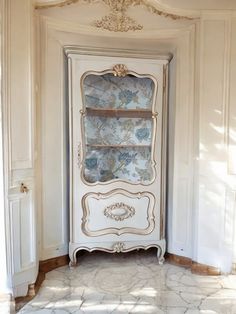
column 132, row 283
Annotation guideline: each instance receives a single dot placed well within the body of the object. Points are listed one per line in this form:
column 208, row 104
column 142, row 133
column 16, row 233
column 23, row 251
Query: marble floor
column 131, row 283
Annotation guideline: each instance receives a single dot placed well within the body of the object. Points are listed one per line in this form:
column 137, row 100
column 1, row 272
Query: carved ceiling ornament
column 118, row 20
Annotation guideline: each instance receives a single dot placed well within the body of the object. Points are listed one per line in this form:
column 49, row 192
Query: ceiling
column 173, row 4
column 200, row 4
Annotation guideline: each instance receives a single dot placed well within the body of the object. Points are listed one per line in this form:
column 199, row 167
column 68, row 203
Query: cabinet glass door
column 118, row 128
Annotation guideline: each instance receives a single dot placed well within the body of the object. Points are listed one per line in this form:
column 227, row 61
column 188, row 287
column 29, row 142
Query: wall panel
column 54, row 154
column 20, row 97
column 213, row 181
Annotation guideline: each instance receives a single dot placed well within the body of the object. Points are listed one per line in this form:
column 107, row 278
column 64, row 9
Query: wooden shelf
column 118, row 113
column 117, row 146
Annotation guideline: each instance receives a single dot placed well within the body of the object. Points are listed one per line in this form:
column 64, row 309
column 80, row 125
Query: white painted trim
column 4, row 257
column 70, row 27
column 7, row 255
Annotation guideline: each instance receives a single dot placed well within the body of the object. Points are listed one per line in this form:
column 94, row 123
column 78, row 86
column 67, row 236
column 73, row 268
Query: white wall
column 54, row 34
column 4, row 275
column 217, row 121
column 231, row 134
column 201, row 201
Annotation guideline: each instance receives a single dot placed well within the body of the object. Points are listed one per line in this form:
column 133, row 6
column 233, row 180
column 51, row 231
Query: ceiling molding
column 153, row 6
column 53, row 4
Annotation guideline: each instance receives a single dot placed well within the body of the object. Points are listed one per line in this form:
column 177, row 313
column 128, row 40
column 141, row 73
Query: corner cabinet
column 118, row 124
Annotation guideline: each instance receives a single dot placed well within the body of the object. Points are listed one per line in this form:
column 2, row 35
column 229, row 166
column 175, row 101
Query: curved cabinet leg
column 161, row 251
column 160, row 256
column 73, row 259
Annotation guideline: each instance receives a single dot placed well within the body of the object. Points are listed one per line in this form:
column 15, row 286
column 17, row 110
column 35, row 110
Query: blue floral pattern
column 109, row 91
column 118, row 148
column 117, row 131
column 142, row 134
column 119, row 164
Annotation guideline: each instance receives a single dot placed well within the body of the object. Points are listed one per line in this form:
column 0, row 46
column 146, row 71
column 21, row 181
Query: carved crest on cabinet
column 126, row 211
column 120, row 70
column 119, row 247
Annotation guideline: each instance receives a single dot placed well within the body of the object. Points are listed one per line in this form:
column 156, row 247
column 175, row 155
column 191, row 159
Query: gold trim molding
column 118, row 20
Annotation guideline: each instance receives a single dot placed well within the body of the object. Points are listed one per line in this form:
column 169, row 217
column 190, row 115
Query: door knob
column 23, row 188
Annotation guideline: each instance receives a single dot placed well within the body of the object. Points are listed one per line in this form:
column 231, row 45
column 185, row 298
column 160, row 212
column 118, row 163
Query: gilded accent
column 129, row 211
column 149, row 215
column 119, row 247
column 120, row 70
column 117, row 22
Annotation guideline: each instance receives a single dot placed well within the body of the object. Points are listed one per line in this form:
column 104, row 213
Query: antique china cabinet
column 118, row 122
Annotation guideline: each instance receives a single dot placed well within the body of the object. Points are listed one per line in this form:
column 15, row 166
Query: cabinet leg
column 72, row 264
column 160, row 256
column 73, row 260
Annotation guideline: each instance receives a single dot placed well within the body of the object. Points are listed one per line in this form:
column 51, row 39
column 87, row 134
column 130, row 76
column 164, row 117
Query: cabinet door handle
column 23, row 188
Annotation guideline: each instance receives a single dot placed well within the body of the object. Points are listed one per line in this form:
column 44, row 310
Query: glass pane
column 117, row 131
column 109, row 91
column 118, row 128
column 107, row 164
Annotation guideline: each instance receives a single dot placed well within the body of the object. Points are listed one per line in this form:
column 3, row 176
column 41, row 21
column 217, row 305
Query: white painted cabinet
column 118, row 113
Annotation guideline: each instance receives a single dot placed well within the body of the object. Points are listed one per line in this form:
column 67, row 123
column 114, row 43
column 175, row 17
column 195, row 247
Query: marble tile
column 131, row 283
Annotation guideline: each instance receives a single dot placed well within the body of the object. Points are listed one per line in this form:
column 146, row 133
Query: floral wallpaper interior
column 117, row 147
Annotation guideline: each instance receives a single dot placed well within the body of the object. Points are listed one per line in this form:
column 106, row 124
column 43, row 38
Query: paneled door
column 19, row 145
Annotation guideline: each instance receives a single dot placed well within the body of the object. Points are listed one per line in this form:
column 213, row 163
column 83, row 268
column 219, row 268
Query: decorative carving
column 129, row 211
column 118, row 20
column 118, row 23
column 120, row 70
column 119, row 247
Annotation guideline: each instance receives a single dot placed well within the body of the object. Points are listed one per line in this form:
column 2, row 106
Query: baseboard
column 196, row 268
column 53, row 263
